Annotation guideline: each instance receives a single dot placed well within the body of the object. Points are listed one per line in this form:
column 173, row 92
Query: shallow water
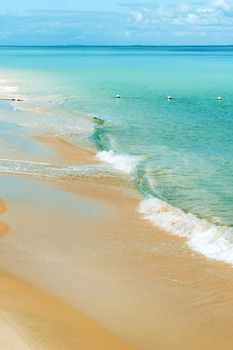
column 179, row 151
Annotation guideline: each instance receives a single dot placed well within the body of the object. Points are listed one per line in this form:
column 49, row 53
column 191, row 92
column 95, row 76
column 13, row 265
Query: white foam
column 211, row 241
column 122, row 162
column 9, row 88
column 42, row 169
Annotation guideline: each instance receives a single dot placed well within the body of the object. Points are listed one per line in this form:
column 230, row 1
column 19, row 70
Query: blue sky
column 96, row 22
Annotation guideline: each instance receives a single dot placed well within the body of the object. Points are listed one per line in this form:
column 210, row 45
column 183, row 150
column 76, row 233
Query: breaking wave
column 214, row 242
column 122, row 162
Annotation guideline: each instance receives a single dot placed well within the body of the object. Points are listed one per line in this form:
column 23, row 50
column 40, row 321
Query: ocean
column 177, row 152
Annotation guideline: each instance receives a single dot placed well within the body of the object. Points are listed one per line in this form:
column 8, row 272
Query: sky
column 116, row 22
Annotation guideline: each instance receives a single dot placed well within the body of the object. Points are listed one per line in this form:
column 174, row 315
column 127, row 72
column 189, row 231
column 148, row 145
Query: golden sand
column 32, row 319
column 139, row 283
column 67, row 152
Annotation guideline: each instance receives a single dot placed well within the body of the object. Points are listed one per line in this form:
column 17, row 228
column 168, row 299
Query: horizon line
column 118, row 45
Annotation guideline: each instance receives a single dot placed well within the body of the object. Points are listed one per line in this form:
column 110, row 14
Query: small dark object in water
column 170, row 98
column 118, row 96
column 98, row 120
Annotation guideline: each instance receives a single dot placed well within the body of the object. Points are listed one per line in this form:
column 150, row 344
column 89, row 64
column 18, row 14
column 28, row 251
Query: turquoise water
column 181, row 150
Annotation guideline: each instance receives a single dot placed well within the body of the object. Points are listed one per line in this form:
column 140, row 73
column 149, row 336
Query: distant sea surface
column 178, row 152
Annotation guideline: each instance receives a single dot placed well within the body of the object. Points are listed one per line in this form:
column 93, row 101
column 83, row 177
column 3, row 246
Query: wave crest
column 207, row 239
column 122, row 162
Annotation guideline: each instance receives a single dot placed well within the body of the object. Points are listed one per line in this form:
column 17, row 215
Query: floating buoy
column 219, row 98
column 16, row 99
column 169, row 97
column 118, row 96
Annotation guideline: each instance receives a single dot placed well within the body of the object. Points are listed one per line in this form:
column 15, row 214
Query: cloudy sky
column 91, row 22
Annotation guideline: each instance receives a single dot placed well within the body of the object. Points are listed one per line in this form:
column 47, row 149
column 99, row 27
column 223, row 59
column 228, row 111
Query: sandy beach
column 84, row 270
column 33, row 319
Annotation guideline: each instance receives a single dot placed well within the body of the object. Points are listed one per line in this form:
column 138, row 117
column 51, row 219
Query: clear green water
column 184, row 147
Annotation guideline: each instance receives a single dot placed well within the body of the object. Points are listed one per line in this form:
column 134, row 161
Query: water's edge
column 214, row 242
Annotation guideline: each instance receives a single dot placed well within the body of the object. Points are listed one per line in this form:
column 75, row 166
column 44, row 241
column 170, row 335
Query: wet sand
column 3, row 226
column 33, row 319
column 67, row 152
column 83, row 241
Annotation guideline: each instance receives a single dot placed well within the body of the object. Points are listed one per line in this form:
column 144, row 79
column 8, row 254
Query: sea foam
column 25, row 167
column 10, row 89
column 212, row 241
column 122, row 162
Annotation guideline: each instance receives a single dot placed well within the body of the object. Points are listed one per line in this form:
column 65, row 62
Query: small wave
column 122, row 162
column 211, row 241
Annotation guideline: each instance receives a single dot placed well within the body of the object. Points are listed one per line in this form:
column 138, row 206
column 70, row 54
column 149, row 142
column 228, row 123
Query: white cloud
column 142, row 21
column 183, row 7
column 191, row 18
column 138, row 16
column 206, row 10
column 217, row 13
column 221, row 4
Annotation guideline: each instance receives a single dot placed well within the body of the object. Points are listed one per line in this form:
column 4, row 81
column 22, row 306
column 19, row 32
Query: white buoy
column 169, row 97
column 118, row 96
column 219, row 98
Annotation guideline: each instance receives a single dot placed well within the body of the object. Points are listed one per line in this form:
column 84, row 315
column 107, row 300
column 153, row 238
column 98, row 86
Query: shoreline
column 83, row 262
column 202, row 236
column 3, row 226
column 18, row 298
column 138, row 282
column 68, row 153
